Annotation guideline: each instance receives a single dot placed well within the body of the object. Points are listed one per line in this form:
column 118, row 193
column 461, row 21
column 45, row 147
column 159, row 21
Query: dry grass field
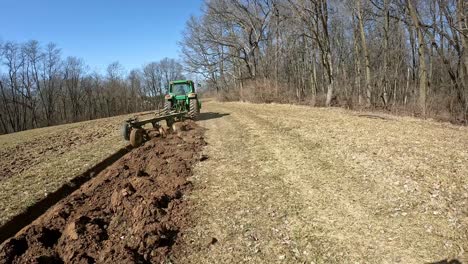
column 292, row 184
column 285, row 184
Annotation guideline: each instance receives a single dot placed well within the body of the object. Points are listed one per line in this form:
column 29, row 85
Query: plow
column 180, row 102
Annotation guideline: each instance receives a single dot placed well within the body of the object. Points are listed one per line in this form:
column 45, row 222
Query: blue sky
column 101, row 31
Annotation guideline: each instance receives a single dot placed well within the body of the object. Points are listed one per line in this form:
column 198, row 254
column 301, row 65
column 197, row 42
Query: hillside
column 278, row 183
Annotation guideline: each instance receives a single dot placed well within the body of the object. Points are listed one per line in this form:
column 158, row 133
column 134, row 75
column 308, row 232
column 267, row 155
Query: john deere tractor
column 181, row 97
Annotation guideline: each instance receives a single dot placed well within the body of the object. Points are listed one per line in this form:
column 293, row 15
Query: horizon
column 131, row 34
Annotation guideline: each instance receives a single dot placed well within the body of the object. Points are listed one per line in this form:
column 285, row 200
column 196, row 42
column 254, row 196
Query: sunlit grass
column 296, row 184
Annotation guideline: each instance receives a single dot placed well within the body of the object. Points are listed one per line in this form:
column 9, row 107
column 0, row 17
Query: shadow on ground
column 447, row 261
column 210, row 115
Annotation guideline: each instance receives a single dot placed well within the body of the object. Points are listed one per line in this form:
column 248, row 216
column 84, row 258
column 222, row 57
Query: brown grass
column 294, row 184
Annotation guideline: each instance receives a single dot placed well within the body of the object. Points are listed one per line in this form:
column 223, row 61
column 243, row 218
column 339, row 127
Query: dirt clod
column 213, row 241
column 178, row 127
column 203, row 157
column 132, row 212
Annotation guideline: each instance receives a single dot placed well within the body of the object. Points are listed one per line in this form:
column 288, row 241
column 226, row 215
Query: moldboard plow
column 133, row 131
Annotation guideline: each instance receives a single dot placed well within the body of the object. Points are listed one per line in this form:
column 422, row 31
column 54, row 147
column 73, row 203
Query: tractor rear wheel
column 167, row 107
column 136, row 137
column 194, row 109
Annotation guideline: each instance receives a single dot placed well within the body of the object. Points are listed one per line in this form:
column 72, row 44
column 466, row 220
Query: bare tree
column 39, row 88
column 153, row 80
column 365, row 52
column 319, row 51
column 422, row 56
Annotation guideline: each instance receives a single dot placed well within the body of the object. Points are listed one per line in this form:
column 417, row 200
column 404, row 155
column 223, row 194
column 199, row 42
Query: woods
column 397, row 55
column 39, row 88
column 405, row 56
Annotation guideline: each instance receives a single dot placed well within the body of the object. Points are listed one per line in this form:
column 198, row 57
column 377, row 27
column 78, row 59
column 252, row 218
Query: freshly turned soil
column 131, row 212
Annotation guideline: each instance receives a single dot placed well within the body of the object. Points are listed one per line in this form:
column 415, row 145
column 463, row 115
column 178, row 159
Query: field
column 36, row 162
column 280, row 183
column 295, row 184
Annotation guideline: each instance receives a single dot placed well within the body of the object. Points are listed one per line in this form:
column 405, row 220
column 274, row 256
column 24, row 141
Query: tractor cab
column 182, row 97
column 181, row 88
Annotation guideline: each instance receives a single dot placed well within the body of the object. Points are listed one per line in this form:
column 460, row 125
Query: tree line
column 401, row 55
column 40, row 88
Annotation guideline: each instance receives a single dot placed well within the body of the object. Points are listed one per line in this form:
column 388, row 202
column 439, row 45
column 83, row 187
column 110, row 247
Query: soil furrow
column 132, row 212
column 18, row 222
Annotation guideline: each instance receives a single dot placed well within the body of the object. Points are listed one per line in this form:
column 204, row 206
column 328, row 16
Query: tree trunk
column 422, row 59
column 463, row 26
column 328, row 57
column 366, row 55
column 357, row 66
column 385, row 74
column 276, row 48
column 313, row 79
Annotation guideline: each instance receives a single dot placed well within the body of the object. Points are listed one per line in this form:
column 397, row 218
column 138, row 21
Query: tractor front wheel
column 167, row 107
column 194, row 109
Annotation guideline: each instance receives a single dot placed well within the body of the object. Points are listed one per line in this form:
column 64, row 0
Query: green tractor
column 181, row 97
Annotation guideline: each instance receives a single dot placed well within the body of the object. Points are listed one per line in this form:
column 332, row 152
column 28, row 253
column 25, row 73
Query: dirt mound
column 132, row 212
